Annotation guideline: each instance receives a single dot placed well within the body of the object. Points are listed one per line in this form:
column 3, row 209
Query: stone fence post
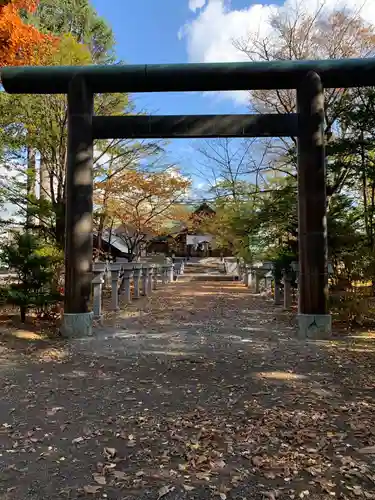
column 150, row 271
column 125, row 285
column 250, row 279
column 145, row 277
column 99, row 270
column 97, row 284
column 155, row 277
column 246, row 273
column 177, row 270
column 137, row 270
column 169, row 271
column 107, row 275
column 287, row 291
column 115, row 274
column 164, row 277
column 277, row 294
column 257, row 282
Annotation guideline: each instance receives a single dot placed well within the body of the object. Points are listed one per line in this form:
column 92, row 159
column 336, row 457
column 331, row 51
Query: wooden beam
column 180, row 126
column 335, row 73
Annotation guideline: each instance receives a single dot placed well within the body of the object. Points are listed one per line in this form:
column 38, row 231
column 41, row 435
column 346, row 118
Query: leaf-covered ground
column 201, row 392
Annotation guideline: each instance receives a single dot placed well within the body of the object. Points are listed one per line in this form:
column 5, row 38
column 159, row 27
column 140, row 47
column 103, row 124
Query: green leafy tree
column 27, row 256
column 39, row 124
column 80, row 19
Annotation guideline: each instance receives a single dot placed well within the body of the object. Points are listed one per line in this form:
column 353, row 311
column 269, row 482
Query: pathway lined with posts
column 129, row 281
column 201, row 389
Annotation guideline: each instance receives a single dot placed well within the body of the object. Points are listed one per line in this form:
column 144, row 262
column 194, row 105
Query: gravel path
column 201, row 391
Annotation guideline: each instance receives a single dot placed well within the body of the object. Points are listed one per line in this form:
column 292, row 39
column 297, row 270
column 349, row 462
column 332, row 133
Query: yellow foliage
column 69, row 52
column 145, row 201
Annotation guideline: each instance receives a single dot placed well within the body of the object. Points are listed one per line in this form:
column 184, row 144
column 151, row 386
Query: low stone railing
column 285, row 295
column 144, row 276
column 252, row 277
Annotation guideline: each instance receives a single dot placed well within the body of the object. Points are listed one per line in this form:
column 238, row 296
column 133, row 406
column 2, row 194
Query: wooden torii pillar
column 313, row 317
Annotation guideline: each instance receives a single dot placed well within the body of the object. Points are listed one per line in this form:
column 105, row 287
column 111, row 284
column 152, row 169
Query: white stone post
column 150, row 271
column 177, row 270
column 164, row 276
column 170, row 269
column 115, row 273
column 287, row 292
column 107, row 275
column 155, row 277
column 246, row 273
column 137, row 270
column 97, row 284
column 125, row 285
column 99, row 270
column 242, row 270
column 257, row 282
column 250, row 279
column 145, row 278
column 277, row 294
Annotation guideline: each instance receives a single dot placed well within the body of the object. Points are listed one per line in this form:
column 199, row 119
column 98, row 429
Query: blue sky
column 146, row 31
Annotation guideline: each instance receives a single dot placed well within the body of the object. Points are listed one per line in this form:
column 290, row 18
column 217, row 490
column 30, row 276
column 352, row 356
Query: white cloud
column 195, row 5
column 209, row 36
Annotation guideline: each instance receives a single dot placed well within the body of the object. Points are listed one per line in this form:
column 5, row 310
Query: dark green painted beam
column 193, row 126
column 190, row 77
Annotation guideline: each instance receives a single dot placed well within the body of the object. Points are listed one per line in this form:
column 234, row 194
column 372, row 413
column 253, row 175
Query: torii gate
column 81, row 83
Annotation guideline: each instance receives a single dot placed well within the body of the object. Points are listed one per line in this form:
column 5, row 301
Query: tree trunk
column 30, row 187
column 102, row 221
column 44, row 181
column 100, row 233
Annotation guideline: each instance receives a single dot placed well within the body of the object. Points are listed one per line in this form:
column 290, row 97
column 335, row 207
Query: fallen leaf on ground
column 78, row 440
column 120, row 475
column 53, row 411
column 203, row 475
column 91, row 490
column 110, row 452
column 98, row 478
column 164, row 490
column 219, row 464
column 108, row 467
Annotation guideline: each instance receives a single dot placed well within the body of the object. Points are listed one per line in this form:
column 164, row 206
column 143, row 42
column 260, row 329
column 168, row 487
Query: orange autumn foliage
column 20, row 43
column 145, row 201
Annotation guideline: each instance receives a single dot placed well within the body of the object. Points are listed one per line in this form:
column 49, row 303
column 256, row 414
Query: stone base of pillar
column 77, row 325
column 314, row 326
